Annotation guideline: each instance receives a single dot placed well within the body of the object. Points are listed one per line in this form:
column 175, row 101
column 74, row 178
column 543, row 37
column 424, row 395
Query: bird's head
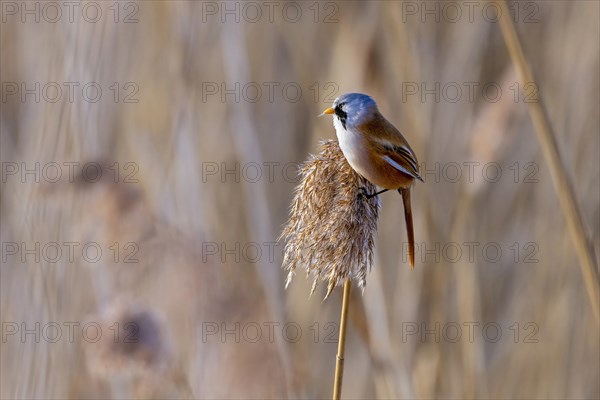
column 352, row 109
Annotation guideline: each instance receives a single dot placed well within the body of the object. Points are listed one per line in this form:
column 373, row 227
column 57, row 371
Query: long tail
column 409, row 225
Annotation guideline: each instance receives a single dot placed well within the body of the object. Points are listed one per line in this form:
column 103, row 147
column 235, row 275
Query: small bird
column 376, row 150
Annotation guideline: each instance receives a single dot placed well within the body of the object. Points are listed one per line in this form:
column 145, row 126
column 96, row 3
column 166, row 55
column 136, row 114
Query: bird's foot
column 363, row 193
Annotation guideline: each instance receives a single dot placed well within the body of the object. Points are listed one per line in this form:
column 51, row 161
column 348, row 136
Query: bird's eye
column 340, row 107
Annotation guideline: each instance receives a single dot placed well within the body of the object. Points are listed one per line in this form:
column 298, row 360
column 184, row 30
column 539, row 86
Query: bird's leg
column 370, row 196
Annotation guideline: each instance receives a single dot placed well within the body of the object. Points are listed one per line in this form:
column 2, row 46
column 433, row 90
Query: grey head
column 353, row 109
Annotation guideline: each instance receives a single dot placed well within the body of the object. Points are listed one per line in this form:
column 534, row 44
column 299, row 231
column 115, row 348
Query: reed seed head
column 332, row 224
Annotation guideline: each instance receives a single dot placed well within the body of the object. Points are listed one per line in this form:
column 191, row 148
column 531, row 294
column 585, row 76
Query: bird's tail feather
column 409, row 225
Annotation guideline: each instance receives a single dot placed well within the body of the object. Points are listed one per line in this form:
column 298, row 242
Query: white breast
column 352, row 145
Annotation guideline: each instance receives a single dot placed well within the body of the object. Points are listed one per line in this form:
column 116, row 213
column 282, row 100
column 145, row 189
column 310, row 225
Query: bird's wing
column 401, row 158
column 398, row 151
column 398, row 165
column 392, row 145
column 399, row 155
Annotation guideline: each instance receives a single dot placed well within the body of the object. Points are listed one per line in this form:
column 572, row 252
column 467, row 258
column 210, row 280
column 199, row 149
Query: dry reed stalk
column 339, row 363
column 560, row 178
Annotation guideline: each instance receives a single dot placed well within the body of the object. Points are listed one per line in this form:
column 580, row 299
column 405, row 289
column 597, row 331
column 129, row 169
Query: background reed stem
column 560, row 179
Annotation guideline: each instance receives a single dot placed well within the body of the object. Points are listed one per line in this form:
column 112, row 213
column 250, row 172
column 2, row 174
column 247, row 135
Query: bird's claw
column 366, row 195
column 362, row 193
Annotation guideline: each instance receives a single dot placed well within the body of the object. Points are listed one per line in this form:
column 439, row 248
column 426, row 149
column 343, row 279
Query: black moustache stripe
column 342, row 116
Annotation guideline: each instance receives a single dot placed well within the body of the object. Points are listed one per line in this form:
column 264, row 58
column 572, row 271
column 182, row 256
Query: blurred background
column 149, row 156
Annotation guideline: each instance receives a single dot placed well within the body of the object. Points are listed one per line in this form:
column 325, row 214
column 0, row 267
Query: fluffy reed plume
column 332, row 224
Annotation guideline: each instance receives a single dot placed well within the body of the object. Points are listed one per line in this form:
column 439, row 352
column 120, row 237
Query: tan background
column 178, row 212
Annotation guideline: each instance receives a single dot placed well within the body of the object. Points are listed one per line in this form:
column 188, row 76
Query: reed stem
column 339, row 364
column 560, row 178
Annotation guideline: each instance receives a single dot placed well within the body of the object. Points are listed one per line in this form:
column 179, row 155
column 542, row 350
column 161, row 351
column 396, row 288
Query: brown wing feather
column 407, row 163
column 391, row 143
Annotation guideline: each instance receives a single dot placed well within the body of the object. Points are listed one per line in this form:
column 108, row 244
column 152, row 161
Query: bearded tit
column 376, row 150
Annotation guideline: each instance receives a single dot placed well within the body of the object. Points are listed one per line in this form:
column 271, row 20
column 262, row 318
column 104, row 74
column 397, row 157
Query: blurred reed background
column 205, row 283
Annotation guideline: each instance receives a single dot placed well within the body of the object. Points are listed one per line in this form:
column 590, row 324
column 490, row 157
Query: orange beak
column 327, row 112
